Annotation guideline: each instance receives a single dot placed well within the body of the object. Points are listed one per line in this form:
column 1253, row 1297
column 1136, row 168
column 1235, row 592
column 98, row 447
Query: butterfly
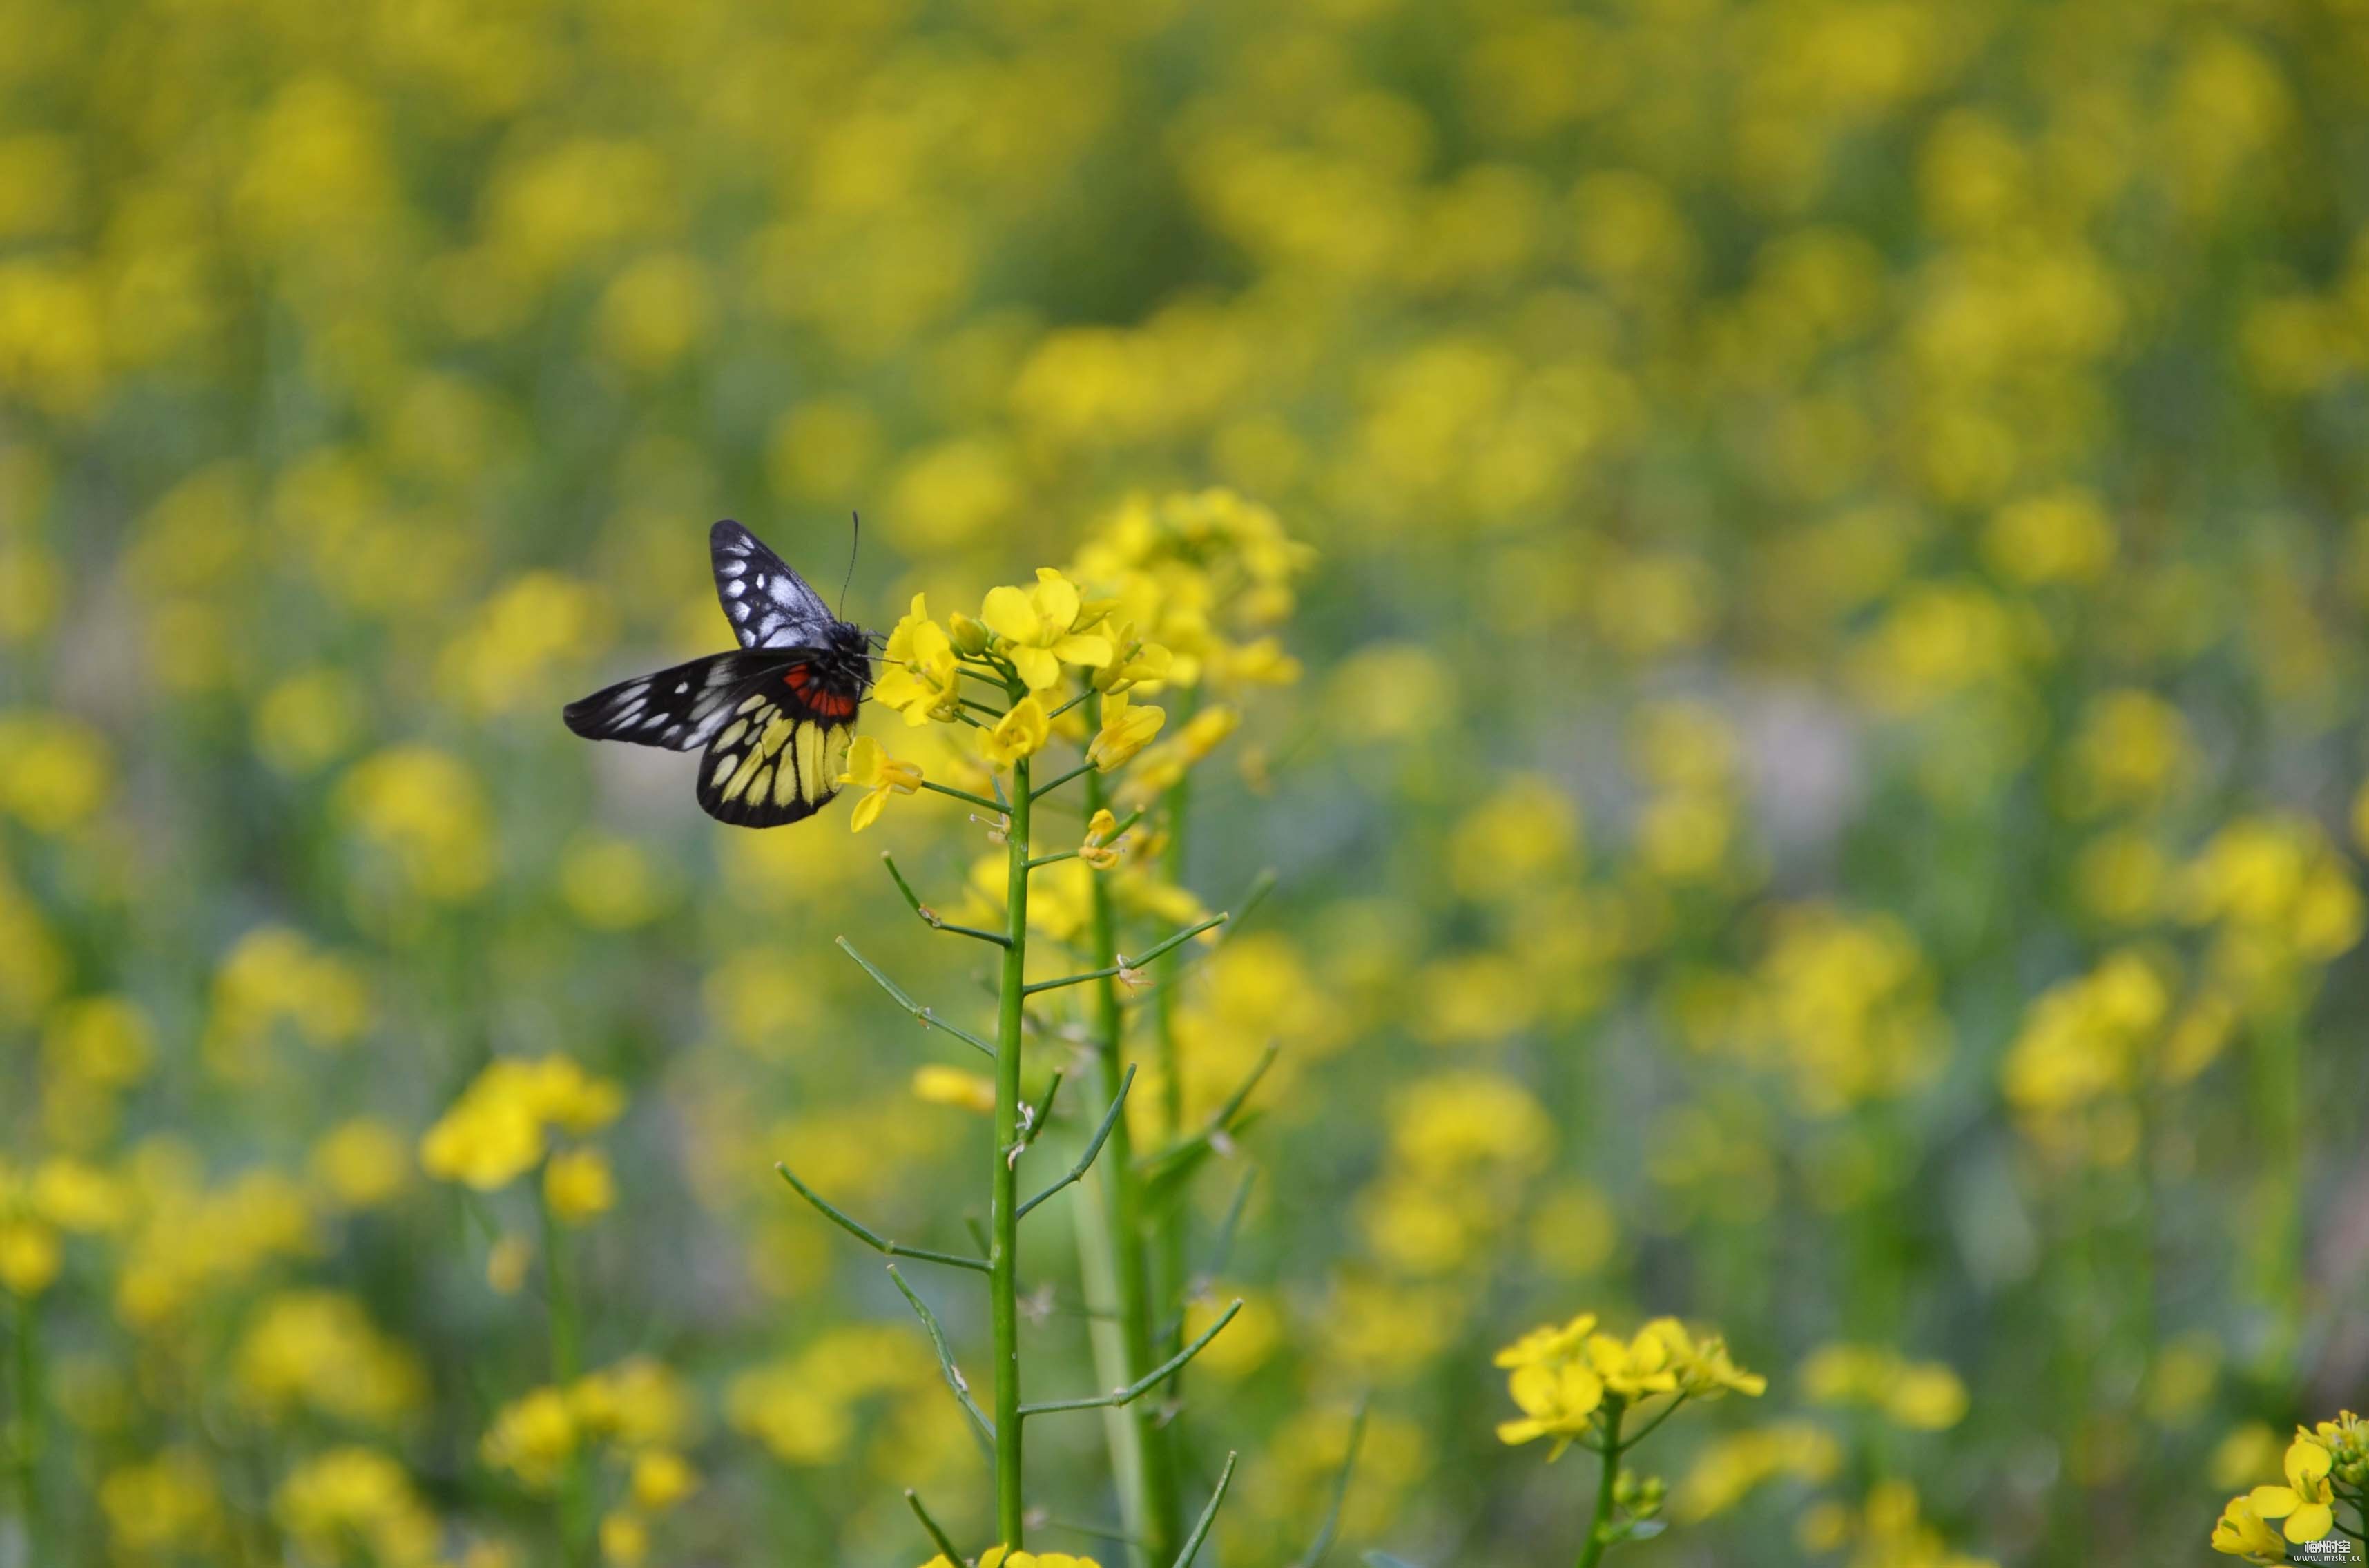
column 775, row 715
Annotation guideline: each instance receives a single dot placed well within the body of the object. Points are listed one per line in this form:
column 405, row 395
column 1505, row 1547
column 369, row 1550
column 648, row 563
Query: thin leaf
column 1093, row 1146
column 1143, row 1385
column 1324, row 1541
column 960, row 1386
column 1208, row 1516
column 872, row 1238
column 928, row 1017
column 946, row 1547
column 931, row 917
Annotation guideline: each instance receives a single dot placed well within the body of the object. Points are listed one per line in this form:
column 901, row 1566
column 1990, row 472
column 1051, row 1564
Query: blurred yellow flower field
column 1700, row 659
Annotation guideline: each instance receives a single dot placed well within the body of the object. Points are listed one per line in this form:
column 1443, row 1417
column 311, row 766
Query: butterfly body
column 775, row 716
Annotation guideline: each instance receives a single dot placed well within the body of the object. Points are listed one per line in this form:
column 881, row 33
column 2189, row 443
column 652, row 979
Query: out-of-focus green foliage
column 1821, row 799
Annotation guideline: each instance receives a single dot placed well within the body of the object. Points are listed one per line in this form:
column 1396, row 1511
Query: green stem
column 1172, row 866
column 1171, row 1279
column 31, row 1427
column 1600, row 1530
column 567, row 1365
column 1152, row 1453
column 1003, row 1248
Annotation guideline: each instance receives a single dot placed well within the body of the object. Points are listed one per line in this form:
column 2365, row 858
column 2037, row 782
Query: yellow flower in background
column 1259, row 662
column 78, row 1197
column 540, row 626
column 507, row 1262
column 1038, row 629
column 879, row 776
column 635, row 1404
column 168, row 1506
column 2087, row 1037
column 500, row 1126
column 194, row 1244
column 919, row 677
column 352, row 1495
column 2275, row 883
column 939, row 1085
column 423, row 807
column 1126, row 730
column 318, row 1351
column 1158, row 772
column 2305, row 1502
column 655, row 311
column 53, row 769
column 1732, row 1465
column 485, row 1143
column 104, row 1040
column 277, row 980
column 308, row 720
column 1849, row 1005
column 578, row 1186
column 1522, row 835
column 625, row 1539
column 564, row 1094
column 2132, row 749
column 661, row 1478
column 610, row 882
column 533, row 1438
column 2062, row 537
column 1021, row 733
column 30, row 1257
column 1921, row 1395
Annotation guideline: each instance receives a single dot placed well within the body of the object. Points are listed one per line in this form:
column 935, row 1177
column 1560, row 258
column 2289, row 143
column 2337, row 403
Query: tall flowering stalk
column 1194, row 581
column 519, row 1118
column 1035, row 656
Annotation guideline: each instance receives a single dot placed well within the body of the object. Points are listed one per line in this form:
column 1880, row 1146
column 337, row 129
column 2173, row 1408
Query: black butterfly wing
column 679, row 708
column 777, row 759
column 769, row 605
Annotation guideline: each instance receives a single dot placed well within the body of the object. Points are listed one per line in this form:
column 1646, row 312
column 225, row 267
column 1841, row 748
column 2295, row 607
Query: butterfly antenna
column 854, row 538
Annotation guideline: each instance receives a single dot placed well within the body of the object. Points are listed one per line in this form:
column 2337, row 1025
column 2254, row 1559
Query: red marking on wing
column 835, row 704
column 796, row 675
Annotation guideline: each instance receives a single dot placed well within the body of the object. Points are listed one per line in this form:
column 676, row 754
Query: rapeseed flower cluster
column 632, row 1420
column 506, row 1122
column 2326, row 1465
column 1576, row 1384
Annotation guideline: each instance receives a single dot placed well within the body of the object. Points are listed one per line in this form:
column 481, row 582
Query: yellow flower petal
column 1037, row 667
column 1082, row 648
column 2310, row 1522
column 1008, row 614
column 2274, row 1501
column 1057, row 600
